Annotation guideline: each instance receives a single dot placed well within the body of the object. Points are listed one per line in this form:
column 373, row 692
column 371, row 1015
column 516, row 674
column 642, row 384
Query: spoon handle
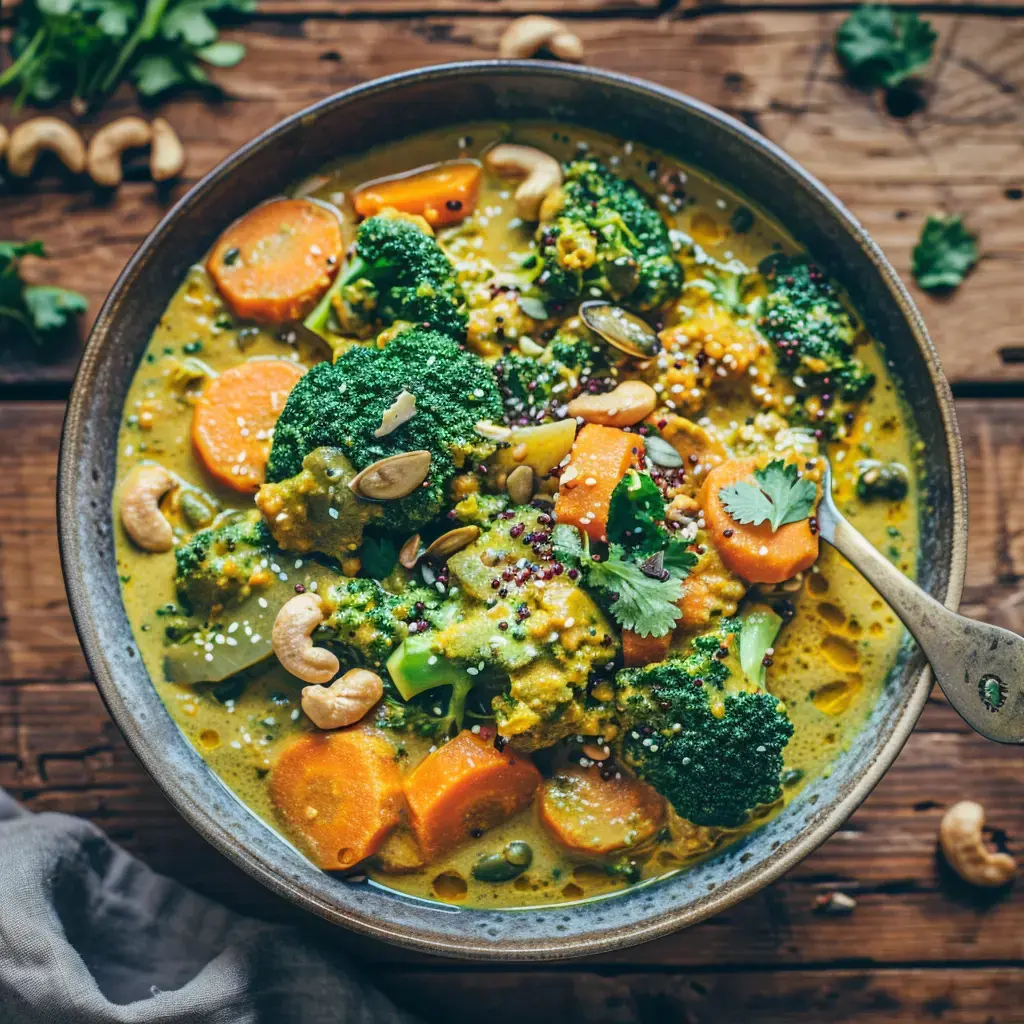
column 979, row 667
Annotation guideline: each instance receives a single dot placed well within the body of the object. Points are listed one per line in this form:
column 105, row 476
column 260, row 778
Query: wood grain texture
column 60, row 751
column 773, row 69
column 696, row 997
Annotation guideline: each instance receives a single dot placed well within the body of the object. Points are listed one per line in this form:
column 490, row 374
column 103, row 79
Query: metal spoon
column 979, row 667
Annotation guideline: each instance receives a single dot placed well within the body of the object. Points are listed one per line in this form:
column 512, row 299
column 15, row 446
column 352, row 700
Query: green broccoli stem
column 317, row 320
column 457, row 704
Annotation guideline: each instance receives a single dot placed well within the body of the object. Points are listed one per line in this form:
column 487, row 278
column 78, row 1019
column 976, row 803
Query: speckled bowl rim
column 348, row 906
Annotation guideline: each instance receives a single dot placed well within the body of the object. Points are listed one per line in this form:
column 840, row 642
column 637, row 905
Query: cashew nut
column 629, row 403
column 140, row 507
column 525, row 36
column 962, row 842
column 540, row 172
column 109, row 143
column 291, row 639
column 31, row 137
column 345, row 701
column 167, row 155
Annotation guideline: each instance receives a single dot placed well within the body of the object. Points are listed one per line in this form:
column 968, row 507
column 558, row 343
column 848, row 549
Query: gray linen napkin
column 90, row 935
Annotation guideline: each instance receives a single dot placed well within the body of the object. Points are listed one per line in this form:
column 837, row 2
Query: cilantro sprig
column 80, row 50
column 882, row 47
column 644, row 604
column 944, row 254
column 36, row 310
column 778, row 495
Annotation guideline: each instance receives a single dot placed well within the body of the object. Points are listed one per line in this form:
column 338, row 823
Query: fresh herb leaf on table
column 39, row 310
column 778, row 496
column 944, row 254
column 81, row 49
column 883, row 47
column 645, row 605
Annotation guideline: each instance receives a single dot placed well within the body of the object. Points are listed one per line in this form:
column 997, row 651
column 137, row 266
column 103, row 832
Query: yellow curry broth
column 831, row 660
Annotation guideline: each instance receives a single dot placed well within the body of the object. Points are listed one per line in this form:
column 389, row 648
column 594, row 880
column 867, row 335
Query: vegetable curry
column 466, row 506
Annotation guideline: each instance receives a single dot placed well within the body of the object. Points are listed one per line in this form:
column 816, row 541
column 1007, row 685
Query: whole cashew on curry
column 140, row 507
column 964, row 846
column 345, row 701
column 540, row 174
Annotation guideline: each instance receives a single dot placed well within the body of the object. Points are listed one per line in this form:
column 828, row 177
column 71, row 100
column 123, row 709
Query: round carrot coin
column 233, row 421
column 592, row 815
column 273, row 264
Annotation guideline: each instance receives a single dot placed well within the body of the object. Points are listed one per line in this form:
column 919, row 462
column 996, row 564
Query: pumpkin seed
column 393, row 477
column 454, row 540
column 197, row 508
column 400, row 411
column 620, row 328
column 532, row 307
column 503, row 867
column 410, row 552
column 520, row 484
column 661, row 453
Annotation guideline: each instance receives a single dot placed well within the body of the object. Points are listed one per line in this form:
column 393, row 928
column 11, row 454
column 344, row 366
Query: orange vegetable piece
column 440, row 193
column 233, row 419
column 644, row 650
column 754, row 552
column 592, row 815
column 340, row 793
column 465, row 786
column 273, row 264
column 599, row 460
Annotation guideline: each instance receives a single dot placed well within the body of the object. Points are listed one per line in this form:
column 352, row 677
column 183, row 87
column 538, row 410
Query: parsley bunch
column 37, row 310
column 883, row 47
column 79, row 50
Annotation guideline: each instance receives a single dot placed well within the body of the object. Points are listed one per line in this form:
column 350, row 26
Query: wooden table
column 919, row 945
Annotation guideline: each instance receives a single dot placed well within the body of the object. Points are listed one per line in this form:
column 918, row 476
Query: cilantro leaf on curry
column 641, row 603
column 883, row 47
column 945, row 253
column 778, row 495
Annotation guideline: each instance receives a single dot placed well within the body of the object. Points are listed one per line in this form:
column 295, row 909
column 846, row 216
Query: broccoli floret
column 370, row 620
column 536, row 390
column 607, row 236
column 399, row 272
column 340, row 405
column 221, row 565
column 811, row 329
column 701, row 736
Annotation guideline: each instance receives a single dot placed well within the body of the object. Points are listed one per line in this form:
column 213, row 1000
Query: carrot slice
column 233, row 419
column 599, row 460
column 754, row 552
column 275, row 262
column 464, row 787
column 644, row 650
column 592, row 815
column 340, row 793
column 440, row 193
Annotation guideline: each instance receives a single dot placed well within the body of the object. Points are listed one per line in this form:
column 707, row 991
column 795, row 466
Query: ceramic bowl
column 374, row 115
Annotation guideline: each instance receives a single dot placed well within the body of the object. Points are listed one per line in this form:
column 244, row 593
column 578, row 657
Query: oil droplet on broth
column 832, row 614
column 209, row 738
column 816, row 583
column 450, row 887
column 835, row 698
column 705, row 230
column 572, row 891
column 840, row 652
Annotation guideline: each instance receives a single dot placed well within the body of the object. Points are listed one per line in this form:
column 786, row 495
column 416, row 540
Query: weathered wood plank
column 696, row 997
column 773, row 69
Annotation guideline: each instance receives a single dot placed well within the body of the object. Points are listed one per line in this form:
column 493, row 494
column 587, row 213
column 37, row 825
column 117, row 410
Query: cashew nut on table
column 526, row 36
column 32, row 137
column 965, row 849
